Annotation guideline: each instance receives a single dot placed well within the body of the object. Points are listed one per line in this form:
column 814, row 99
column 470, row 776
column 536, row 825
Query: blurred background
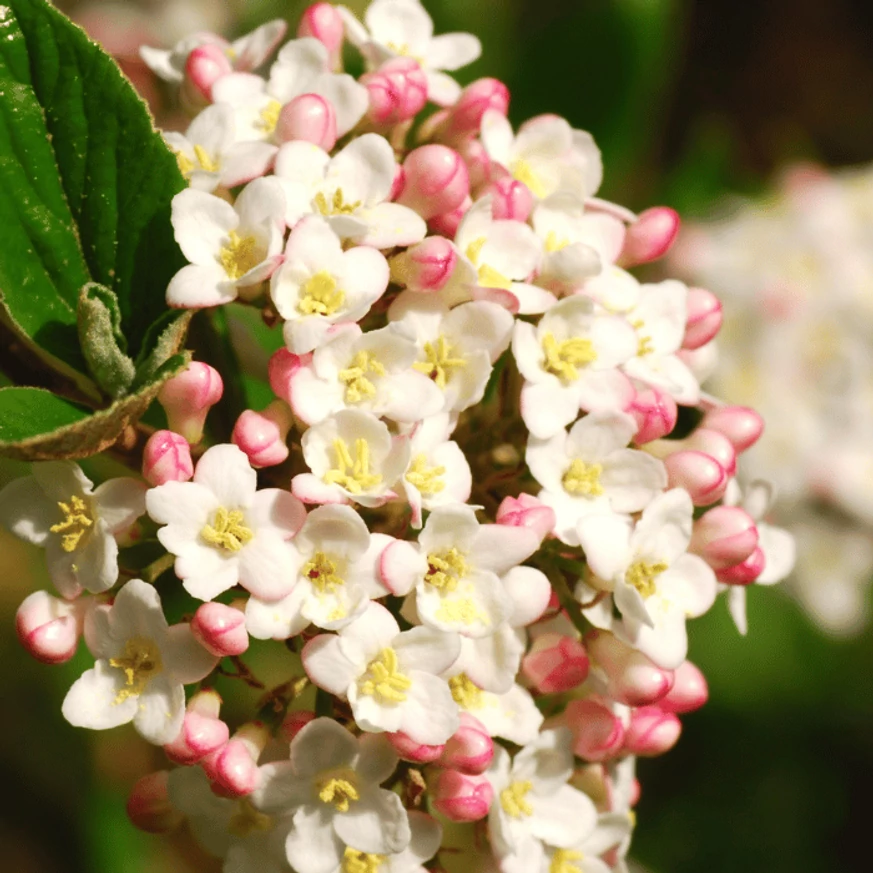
column 744, row 117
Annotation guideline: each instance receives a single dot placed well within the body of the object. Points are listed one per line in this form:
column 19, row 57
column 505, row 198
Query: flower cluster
column 468, row 513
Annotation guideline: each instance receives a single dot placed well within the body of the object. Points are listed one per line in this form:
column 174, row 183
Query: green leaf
column 162, row 342
column 103, row 343
column 25, row 411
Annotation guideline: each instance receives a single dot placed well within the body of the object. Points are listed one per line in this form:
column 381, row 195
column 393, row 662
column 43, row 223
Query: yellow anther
column 353, row 474
column 563, row 861
column 246, row 820
column 77, row 520
column 339, row 789
column 383, row 679
column 358, row 386
column 361, row 862
column 186, row 165
column 439, row 363
column 140, row 662
column 474, row 250
column 239, row 255
column 491, row 278
column 583, row 480
column 642, row 575
column 555, row 243
column 460, row 611
column 269, row 116
column 336, row 205
column 644, row 344
column 465, row 692
column 321, row 295
column 445, row 569
column 227, row 530
column 426, row 479
column 562, row 358
column 322, row 573
column 206, row 162
column 523, row 172
column 514, row 799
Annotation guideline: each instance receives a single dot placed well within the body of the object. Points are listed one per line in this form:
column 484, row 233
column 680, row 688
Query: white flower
column 229, row 247
column 389, row 677
column 590, row 471
column 223, row 531
column 141, row 669
column 424, row 844
column 59, row 509
column 320, row 284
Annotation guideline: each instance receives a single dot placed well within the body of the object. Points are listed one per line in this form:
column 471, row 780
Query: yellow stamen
column 336, row 205
column 353, row 474
column 563, row 861
column 439, row 363
column 426, row 479
column 339, row 789
column 522, row 170
column 644, row 346
column 642, row 576
column 321, row 295
column 583, row 480
column 554, row 243
column 239, row 255
column 227, row 530
column 322, row 573
column 140, row 662
column 358, row 386
column 206, row 162
column 77, row 520
column 361, row 862
column 562, row 358
column 460, row 611
column 246, row 820
column 474, row 250
column 465, row 692
column 445, row 569
column 186, row 165
column 491, row 278
column 513, row 799
column 269, row 116
column 383, row 679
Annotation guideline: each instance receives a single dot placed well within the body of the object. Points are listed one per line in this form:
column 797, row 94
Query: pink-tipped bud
column 49, row 628
column 745, row 572
column 465, row 116
column 631, row 678
column 598, row 733
column 149, row 807
column 527, row 511
column 283, row 365
column 704, row 318
column 409, row 750
column 294, row 722
column 201, row 735
column 470, row 749
column 714, row 444
column 233, row 769
column 310, row 118
column 447, row 224
column 741, row 425
column 166, row 458
column 655, row 412
column 555, row 663
column 262, row 435
column 510, row 199
column 188, row 397
column 397, row 91
column 205, row 65
column 427, row 266
column 436, row 180
column 689, row 691
column 480, row 168
column 699, row 474
column 724, row 536
column 220, row 629
column 461, row 797
column 651, row 732
column 650, row 236
column 322, row 21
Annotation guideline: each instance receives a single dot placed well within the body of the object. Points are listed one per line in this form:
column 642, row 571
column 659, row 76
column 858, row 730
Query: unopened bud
column 426, row 266
column 283, row 365
column 741, row 425
column 655, row 413
column 461, row 797
column 324, row 23
column 598, row 733
column 527, row 511
column 631, row 678
column 651, row 732
column 724, row 536
column 704, row 318
column 409, row 750
column 700, row 475
column 464, row 118
column 470, row 749
column 555, row 663
column 149, row 807
column 650, row 236
column 188, row 397
column 167, row 458
column 480, row 168
column 205, row 65
column 447, row 223
column 202, row 733
column 436, row 180
column 233, row 770
column 262, row 435
column 745, row 572
column 689, row 691
column 310, row 118
column 397, row 91
column 49, row 628
column 510, row 199
column 220, row 629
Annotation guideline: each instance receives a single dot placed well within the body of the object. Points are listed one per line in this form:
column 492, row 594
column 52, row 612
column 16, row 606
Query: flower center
column 562, row 358
column 583, row 480
column 644, row 344
column 320, row 295
column 426, row 479
column 524, row 172
column 269, row 116
column 239, row 255
column 336, row 205
column 439, row 363
column 140, row 662
column 445, row 569
column 185, row 164
column 339, row 789
column 563, row 861
column 206, row 162
column 465, row 692
column 488, row 276
column 361, row 862
column 642, row 575
column 227, row 530
column 555, row 243
column 246, row 820
column 358, row 386
column 77, row 520
column 514, row 799
column 383, row 679
column 353, row 474
column 322, row 573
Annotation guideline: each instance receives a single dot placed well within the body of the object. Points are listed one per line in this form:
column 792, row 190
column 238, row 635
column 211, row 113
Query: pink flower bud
column 220, row 629
column 741, row 425
column 704, row 318
column 655, row 412
column 310, row 118
column 322, row 21
column 689, row 691
column 447, row 224
column 201, row 735
column 167, row 458
column 409, row 750
column 650, row 236
column 480, row 169
column 436, row 180
column 724, row 536
column 398, row 183
column 699, row 474
column 651, row 732
column 188, row 397
column 149, row 807
column 714, row 444
column 598, row 733
column 510, row 199
column 465, row 116
column 470, row 749
column 294, row 722
column 205, row 65
column 283, row 365
column 631, row 678
column 262, row 435
column 555, row 663
column 233, row 770
column 426, row 266
column 397, row 90
column 745, row 572
column 461, row 797
column 527, row 511
column 49, row 628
